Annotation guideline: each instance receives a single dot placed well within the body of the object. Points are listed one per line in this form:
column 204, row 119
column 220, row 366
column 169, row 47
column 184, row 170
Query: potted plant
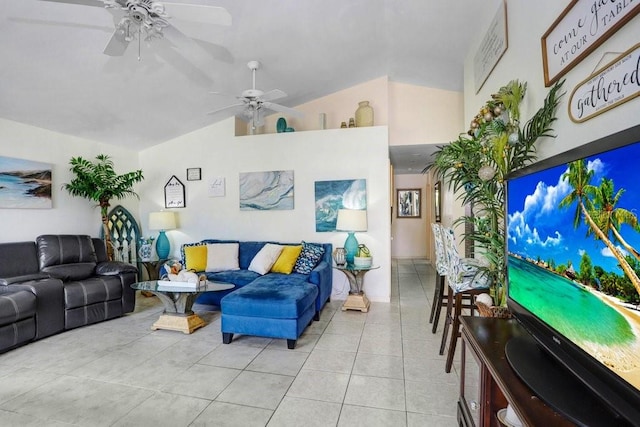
column 98, row 181
column 476, row 165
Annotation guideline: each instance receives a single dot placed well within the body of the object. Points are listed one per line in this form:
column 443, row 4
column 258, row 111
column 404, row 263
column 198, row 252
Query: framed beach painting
column 24, row 184
column 330, row 196
column 265, row 191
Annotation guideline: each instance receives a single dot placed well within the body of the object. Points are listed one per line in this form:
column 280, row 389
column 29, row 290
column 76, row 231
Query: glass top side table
column 356, row 300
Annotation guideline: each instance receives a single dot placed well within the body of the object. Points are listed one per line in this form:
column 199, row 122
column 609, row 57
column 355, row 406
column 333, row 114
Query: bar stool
column 464, row 281
column 439, row 299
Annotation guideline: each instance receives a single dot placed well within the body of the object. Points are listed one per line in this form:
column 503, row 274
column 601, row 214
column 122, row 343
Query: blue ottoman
column 269, row 308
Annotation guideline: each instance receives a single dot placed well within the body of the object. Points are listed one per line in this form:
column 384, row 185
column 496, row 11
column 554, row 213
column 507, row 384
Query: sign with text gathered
column 581, row 28
column 492, row 47
column 612, row 85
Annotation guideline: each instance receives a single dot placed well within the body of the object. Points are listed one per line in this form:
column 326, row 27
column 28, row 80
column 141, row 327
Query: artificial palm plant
column 98, row 181
column 476, row 165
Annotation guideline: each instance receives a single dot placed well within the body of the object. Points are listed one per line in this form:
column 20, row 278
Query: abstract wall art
column 264, row 191
column 330, row 196
column 25, row 184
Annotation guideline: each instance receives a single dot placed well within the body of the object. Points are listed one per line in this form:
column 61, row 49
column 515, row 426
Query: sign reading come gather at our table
column 581, row 28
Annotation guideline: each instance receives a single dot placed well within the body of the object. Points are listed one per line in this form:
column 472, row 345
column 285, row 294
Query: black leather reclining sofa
column 57, row 283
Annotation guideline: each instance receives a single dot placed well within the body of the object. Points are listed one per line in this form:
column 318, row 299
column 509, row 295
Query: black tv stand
column 554, row 384
column 488, row 383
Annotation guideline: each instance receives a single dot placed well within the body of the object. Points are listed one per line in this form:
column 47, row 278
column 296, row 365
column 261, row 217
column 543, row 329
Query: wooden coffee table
column 178, row 301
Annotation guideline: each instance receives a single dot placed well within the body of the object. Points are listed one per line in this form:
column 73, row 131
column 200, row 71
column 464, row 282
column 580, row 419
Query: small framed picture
column 409, row 203
column 194, row 174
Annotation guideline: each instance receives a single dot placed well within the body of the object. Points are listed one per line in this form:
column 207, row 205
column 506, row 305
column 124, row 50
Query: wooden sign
column 612, row 85
column 581, row 28
column 493, row 46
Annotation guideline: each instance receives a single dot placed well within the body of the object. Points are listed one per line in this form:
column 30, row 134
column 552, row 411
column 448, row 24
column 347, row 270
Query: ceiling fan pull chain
column 139, row 42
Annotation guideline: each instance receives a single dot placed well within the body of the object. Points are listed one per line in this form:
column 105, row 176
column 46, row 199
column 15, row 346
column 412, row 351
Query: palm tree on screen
column 609, row 217
column 579, row 177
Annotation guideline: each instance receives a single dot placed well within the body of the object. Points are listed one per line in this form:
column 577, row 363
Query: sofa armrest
column 322, row 276
column 320, row 272
column 114, row 268
column 49, row 294
column 26, row 278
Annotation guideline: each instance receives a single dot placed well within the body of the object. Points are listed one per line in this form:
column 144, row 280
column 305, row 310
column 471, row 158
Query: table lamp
column 162, row 221
column 351, row 220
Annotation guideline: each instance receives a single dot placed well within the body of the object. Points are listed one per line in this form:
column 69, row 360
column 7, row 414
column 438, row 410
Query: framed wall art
column 25, row 184
column 493, row 46
column 408, row 202
column 579, row 30
column 265, row 191
column 331, row 196
column 437, row 202
column 174, row 193
column 194, row 174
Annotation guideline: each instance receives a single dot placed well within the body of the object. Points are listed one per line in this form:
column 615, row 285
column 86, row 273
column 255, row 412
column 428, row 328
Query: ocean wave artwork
column 264, row 191
column 24, row 184
column 330, row 196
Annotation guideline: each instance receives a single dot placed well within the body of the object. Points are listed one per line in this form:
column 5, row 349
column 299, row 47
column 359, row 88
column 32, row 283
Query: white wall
column 423, row 115
column 527, row 22
column 70, row 215
column 313, row 156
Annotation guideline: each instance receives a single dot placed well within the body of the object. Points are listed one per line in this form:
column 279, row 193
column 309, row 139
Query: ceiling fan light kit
column 254, row 102
column 135, row 17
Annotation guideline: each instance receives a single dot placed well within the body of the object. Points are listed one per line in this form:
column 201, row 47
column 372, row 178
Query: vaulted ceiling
column 55, row 76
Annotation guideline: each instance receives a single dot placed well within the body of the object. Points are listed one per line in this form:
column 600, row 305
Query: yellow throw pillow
column 287, row 259
column 195, row 257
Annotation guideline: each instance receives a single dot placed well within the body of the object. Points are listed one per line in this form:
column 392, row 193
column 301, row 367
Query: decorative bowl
column 362, row 261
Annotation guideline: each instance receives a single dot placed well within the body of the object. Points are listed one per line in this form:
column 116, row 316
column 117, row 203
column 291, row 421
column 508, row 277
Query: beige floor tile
column 296, row 412
column 371, row 417
column 256, row 389
column 319, row 385
column 384, row 393
column 220, row 414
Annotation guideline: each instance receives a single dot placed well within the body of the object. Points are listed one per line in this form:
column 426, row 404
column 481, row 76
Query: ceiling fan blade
column 117, row 45
column 98, row 3
column 272, row 95
column 199, row 13
column 282, row 109
column 228, row 107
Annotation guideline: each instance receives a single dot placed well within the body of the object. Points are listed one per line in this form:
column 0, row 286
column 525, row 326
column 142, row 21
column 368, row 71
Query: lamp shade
column 352, row 220
column 162, row 220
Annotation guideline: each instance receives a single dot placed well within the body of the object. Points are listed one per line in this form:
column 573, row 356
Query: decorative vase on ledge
column 364, row 114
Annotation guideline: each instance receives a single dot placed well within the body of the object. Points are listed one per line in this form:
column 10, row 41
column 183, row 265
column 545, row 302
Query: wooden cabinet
column 487, row 382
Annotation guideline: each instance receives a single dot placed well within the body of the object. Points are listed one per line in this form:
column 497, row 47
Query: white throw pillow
column 222, row 257
column 264, row 260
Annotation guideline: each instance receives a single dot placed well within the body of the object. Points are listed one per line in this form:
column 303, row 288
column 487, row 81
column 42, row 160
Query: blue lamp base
column 163, row 247
column 351, row 247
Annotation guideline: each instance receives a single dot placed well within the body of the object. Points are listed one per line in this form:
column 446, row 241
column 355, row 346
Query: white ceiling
column 55, row 76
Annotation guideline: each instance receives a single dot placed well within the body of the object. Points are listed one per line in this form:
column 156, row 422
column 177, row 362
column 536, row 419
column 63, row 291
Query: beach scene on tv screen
column 573, row 239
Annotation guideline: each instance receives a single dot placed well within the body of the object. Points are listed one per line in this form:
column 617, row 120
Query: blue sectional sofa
column 273, row 305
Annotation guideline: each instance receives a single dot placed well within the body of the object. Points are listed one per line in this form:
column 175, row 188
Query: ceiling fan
column 254, row 102
column 149, row 19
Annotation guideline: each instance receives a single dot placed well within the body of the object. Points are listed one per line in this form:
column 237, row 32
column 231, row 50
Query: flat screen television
column 573, row 262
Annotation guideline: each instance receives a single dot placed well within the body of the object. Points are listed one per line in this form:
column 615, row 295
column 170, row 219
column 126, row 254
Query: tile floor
column 380, row 368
